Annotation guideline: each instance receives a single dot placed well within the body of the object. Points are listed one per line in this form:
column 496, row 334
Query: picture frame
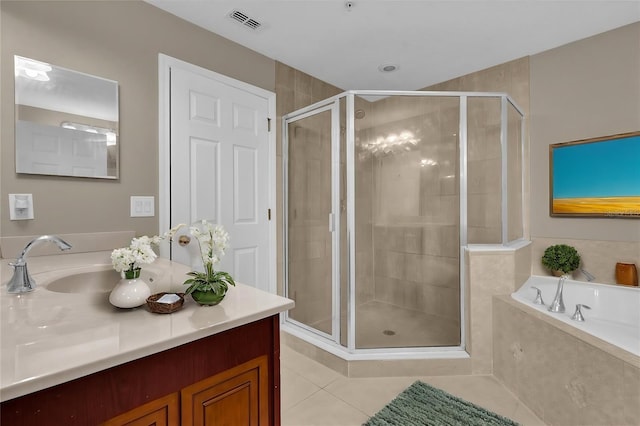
column 597, row 177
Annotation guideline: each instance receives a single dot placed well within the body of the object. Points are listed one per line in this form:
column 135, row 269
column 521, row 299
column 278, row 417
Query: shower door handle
column 332, row 223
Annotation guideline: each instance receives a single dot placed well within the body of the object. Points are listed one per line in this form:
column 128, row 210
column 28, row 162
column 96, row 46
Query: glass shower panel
column 407, row 222
column 515, row 228
column 309, row 240
column 484, row 171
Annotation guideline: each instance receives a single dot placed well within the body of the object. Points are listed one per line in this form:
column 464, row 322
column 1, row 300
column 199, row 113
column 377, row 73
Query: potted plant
column 210, row 286
column 561, row 259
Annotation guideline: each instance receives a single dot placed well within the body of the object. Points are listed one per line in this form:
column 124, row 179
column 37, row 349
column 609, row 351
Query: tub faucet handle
column 538, row 300
column 577, row 316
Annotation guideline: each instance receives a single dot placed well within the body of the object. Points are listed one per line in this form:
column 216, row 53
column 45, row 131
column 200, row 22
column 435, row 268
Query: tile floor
column 383, row 325
column 314, row 395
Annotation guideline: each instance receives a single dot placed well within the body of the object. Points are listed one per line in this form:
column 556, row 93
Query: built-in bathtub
column 614, row 315
column 570, row 373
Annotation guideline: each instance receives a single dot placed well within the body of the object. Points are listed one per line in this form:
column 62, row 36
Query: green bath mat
column 421, row 404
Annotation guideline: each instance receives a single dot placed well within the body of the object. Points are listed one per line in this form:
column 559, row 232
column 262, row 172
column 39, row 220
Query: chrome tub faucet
column 22, row 282
column 557, row 305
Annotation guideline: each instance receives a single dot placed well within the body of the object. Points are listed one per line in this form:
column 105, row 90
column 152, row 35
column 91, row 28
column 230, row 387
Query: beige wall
column 118, row 40
column 581, row 90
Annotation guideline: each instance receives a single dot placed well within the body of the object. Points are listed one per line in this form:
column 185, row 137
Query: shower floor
column 383, row 325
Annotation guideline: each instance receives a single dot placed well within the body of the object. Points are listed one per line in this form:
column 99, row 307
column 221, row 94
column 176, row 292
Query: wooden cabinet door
column 164, row 411
column 239, row 396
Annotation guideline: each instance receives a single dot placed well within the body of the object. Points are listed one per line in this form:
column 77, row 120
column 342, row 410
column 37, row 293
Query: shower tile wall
column 484, row 168
column 484, row 149
column 410, row 209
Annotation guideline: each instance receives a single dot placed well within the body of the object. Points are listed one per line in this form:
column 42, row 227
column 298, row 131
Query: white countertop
column 48, row 338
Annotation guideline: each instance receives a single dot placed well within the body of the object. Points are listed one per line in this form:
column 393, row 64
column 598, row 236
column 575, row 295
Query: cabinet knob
column 184, row 240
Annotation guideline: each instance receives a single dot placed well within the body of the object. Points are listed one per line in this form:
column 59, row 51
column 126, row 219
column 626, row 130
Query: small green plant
column 210, row 286
column 561, row 257
column 215, row 281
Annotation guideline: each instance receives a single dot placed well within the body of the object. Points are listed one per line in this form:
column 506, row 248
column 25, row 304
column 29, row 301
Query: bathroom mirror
column 66, row 121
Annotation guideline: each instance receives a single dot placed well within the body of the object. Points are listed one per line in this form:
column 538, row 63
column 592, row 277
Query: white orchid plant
column 213, row 240
column 129, row 260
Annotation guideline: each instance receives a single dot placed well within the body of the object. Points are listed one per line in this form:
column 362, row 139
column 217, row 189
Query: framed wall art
column 598, row 177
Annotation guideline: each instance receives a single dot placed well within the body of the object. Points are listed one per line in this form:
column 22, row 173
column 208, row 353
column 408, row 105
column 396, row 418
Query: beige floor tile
column 484, row 391
column 369, row 395
column 323, row 409
column 526, row 417
column 311, row 370
column 313, row 394
column 294, row 388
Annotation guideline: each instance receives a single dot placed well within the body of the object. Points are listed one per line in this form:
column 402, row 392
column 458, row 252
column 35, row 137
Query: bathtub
column 614, row 315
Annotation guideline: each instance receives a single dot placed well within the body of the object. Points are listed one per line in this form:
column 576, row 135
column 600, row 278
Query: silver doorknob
column 184, row 240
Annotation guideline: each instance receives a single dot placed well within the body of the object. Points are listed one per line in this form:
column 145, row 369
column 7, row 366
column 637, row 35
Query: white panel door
column 219, row 171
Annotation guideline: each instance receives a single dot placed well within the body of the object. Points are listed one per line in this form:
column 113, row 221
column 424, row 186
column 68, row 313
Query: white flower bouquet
column 129, row 260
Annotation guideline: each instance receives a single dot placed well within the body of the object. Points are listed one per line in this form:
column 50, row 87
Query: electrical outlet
column 142, row 206
column 20, row 206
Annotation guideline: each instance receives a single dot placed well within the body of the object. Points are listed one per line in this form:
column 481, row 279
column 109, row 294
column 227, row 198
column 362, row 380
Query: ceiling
column 429, row 41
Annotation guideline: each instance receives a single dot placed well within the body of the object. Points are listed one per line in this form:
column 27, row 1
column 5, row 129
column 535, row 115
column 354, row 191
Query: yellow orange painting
column 596, row 177
column 613, row 206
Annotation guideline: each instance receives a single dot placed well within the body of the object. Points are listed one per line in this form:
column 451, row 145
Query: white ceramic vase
column 130, row 292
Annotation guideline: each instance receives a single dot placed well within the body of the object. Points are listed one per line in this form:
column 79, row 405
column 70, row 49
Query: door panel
column 245, row 185
column 203, row 180
column 310, row 248
column 239, row 396
column 220, row 171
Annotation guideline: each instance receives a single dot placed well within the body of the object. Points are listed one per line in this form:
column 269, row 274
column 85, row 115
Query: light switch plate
column 20, row 206
column 142, row 206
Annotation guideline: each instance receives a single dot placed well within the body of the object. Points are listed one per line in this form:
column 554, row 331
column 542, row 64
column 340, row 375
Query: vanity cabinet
column 232, row 377
column 234, row 397
column 238, row 396
column 161, row 412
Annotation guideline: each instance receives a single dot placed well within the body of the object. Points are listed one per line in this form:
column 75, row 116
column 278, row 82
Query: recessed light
column 387, row 68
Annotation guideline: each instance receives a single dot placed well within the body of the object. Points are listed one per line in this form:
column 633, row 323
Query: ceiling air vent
column 244, row 19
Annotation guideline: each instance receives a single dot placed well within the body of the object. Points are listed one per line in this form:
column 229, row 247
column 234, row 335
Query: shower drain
column 389, row 333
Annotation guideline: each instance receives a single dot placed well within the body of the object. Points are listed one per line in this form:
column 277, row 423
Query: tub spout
column 587, row 275
column 557, row 305
column 22, row 282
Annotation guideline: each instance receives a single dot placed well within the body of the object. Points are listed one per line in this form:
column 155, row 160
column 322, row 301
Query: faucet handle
column 538, row 300
column 577, row 316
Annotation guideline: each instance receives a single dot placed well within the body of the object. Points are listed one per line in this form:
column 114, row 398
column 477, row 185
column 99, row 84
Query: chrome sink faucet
column 22, row 282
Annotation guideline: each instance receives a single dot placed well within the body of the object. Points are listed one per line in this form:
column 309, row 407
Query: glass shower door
column 310, row 262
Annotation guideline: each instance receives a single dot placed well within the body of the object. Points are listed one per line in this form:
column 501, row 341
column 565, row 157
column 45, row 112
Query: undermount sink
column 91, row 282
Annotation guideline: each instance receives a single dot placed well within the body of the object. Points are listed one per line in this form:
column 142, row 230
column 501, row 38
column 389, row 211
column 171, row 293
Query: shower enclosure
column 382, row 193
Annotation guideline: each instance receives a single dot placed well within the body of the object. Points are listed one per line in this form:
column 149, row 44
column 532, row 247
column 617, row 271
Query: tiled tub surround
column 564, row 374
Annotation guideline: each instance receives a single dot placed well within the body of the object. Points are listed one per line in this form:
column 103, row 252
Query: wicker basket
column 164, row 308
